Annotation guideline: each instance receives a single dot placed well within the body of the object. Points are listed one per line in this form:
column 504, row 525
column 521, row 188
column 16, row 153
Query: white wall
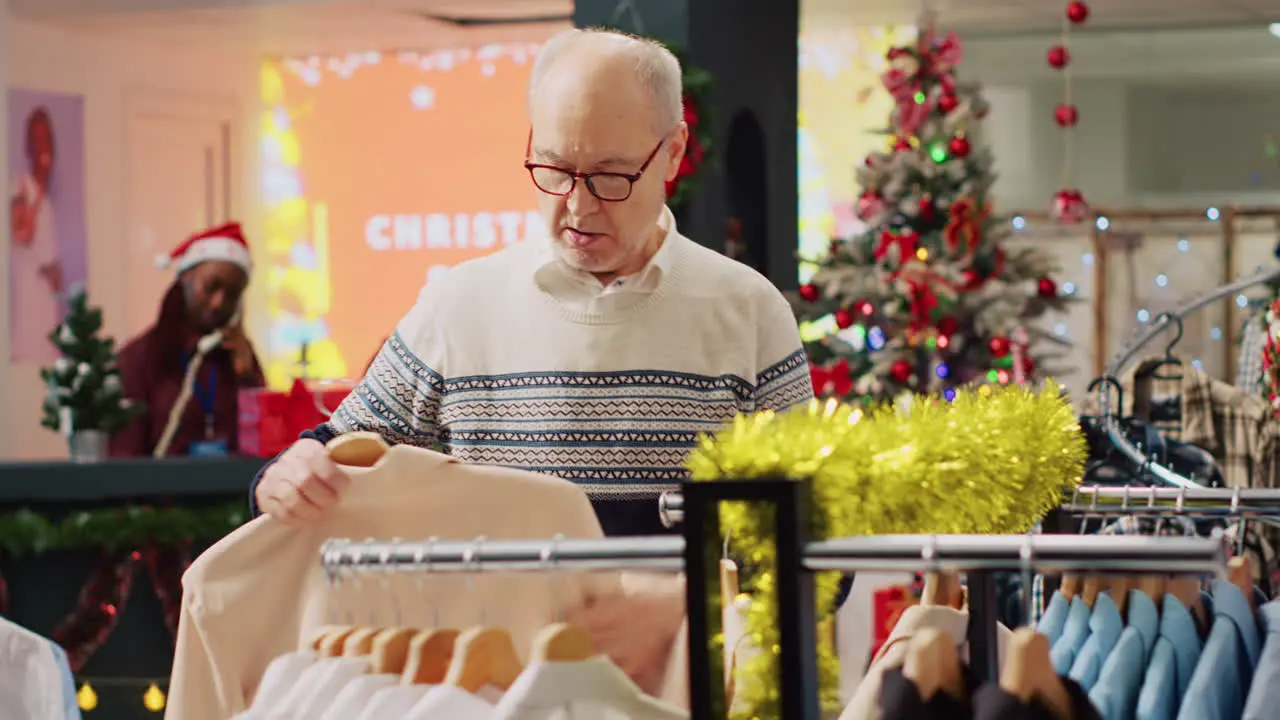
column 107, row 73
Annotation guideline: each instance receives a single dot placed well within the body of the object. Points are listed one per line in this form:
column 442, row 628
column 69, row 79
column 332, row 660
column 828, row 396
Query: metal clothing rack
column 698, row 553
column 1164, row 321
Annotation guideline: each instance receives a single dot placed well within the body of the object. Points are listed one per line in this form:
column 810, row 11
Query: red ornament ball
column 844, row 318
column 1058, row 57
column 948, row 326
column 866, row 308
column 1077, row 12
column 948, row 102
column 926, row 208
column 1047, row 288
column 900, row 371
column 902, row 145
column 1069, row 206
column 959, row 147
column 809, row 292
column 1066, row 115
column 999, row 346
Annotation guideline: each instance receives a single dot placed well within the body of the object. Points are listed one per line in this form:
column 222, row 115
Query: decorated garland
column 1271, row 356
column 128, row 537
column 697, row 115
column 991, row 461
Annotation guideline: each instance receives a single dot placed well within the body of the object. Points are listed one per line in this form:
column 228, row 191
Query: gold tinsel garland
column 990, row 461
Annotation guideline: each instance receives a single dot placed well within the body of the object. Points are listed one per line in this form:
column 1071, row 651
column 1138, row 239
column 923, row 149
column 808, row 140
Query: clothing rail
column 1237, row 502
column 1159, row 325
column 938, row 553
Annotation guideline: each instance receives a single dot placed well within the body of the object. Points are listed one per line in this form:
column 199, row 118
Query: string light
column 1143, row 315
column 1162, row 280
column 1212, row 213
column 1087, row 259
column 1184, row 245
column 1215, row 333
column 1102, row 222
column 1068, row 288
column 153, row 698
column 1019, row 222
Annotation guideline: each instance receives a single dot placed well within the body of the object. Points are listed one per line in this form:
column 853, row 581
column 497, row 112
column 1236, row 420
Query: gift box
column 887, row 606
column 271, row 420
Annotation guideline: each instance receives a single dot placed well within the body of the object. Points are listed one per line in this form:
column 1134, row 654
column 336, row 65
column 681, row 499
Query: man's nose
column 580, row 200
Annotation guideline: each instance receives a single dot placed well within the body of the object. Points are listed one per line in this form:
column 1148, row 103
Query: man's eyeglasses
column 606, row 186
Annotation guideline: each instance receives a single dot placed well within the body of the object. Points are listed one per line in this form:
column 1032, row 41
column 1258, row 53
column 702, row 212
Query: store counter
column 98, row 549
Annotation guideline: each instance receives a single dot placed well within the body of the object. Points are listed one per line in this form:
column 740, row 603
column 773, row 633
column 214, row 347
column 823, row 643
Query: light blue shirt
column 1221, row 680
column 1116, row 693
column 1264, row 698
column 1173, row 660
column 70, row 706
column 1105, row 626
column 1055, row 617
column 1074, row 633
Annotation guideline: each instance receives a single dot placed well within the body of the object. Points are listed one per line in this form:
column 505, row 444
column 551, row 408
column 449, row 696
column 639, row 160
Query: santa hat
column 225, row 242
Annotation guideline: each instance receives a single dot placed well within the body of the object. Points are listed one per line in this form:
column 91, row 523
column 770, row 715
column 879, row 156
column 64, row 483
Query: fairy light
column 1102, row 223
column 153, row 698
column 86, row 698
column 1212, row 213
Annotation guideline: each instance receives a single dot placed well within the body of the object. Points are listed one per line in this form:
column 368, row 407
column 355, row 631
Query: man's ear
column 675, row 149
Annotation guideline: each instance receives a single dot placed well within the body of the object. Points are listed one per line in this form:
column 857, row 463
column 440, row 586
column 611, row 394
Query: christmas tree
column 927, row 298
column 84, row 389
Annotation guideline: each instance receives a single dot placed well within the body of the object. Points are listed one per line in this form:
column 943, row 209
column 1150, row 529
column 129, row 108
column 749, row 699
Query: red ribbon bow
column 835, row 379
column 904, row 241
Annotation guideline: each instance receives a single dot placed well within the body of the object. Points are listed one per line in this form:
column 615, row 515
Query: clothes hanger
column 933, row 664
column 317, row 638
column 1070, row 586
column 1240, row 574
column 943, row 589
column 429, row 652
column 390, row 651
column 1186, row 589
column 729, row 585
column 331, row 645
column 483, row 655
column 1089, row 590
column 357, row 449
column 1154, row 586
column 360, row 642
column 562, row 642
column 1028, row 673
column 1119, row 591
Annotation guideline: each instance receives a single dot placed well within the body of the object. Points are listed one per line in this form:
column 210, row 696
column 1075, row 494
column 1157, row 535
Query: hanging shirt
column 281, row 675
column 1221, row 679
column 356, row 696
column 70, row 704
column 1264, row 697
column 1105, row 625
column 900, row 699
column 1055, row 617
column 319, row 685
column 1074, row 633
column 261, row 592
column 592, row 689
column 991, row 702
column 1173, row 660
column 446, row 702
column 394, row 702
column 1116, row 692
column 30, row 683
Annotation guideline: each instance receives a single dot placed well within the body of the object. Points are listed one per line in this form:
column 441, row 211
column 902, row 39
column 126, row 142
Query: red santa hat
column 225, row 242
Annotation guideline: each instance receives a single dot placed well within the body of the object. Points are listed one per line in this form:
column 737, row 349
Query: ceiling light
column 1275, row 29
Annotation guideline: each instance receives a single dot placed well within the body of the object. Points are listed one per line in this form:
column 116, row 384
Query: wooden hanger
column 357, row 449
column 483, row 656
column 943, row 589
column 933, row 664
column 317, row 638
column 331, row 644
column 390, row 650
column 428, row 657
column 1119, row 591
column 729, row 586
column 563, row 642
column 1154, row 587
column 1089, row 590
column 1028, row 673
column 1070, row 586
column 1240, row 574
column 360, row 642
column 1186, row 589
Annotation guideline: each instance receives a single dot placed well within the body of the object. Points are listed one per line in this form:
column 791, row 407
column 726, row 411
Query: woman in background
column 213, row 271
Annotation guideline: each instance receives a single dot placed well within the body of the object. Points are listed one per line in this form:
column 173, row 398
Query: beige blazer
column 261, row 592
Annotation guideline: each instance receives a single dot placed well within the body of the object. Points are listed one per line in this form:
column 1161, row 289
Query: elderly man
column 597, row 354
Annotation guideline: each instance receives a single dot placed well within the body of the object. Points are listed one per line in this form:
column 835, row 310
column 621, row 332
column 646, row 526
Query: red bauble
column 810, row 292
column 948, row 102
column 971, row 278
column 959, row 147
column 1028, row 365
column 1069, row 206
column 1047, row 288
column 1058, row 57
column 869, row 161
column 900, row 371
column 926, row 209
column 999, row 346
column 1077, row 12
column 844, row 318
column 1066, row 115
column 870, row 204
column 948, row 326
column 902, row 145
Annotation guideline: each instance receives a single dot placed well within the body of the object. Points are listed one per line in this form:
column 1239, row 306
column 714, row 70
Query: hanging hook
column 1027, row 558
column 471, row 560
column 1241, row 526
column 1167, row 318
column 1112, row 382
column 550, row 563
column 386, row 583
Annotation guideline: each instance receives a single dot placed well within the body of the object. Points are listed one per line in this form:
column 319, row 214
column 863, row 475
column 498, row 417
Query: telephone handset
column 209, row 342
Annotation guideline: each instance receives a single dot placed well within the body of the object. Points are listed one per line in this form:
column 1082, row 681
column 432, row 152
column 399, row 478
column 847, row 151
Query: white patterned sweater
column 508, row 360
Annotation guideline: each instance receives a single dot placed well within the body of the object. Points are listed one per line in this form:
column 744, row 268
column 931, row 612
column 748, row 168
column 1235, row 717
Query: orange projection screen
column 381, row 171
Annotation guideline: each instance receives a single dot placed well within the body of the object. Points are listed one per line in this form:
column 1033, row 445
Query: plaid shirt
column 1238, row 430
column 1249, row 366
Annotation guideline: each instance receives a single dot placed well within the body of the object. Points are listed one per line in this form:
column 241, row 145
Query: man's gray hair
column 656, row 68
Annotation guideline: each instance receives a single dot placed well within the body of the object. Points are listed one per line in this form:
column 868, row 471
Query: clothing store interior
column 750, row 359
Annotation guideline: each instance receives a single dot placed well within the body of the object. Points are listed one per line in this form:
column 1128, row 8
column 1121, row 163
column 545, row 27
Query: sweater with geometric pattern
column 610, row 393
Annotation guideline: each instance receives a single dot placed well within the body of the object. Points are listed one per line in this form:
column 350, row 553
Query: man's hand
column 301, row 484
column 634, row 631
